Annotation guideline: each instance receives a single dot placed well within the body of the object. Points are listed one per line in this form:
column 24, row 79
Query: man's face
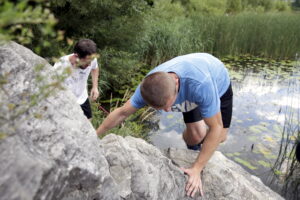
column 169, row 103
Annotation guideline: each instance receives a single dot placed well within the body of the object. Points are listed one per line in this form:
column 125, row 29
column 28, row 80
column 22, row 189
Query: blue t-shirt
column 203, row 80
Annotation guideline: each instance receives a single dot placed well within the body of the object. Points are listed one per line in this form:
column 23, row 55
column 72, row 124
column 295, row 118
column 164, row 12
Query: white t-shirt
column 77, row 81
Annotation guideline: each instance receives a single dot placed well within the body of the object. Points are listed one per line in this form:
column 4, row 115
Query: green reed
column 286, row 167
column 273, row 35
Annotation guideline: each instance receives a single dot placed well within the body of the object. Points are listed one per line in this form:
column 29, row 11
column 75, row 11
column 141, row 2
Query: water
column 264, row 94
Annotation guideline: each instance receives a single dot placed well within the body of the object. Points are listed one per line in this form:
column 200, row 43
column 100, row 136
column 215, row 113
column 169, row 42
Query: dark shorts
column 226, row 110
column 86, row 107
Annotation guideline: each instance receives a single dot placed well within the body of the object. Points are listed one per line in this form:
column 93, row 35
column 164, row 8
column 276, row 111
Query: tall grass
column 273, row 35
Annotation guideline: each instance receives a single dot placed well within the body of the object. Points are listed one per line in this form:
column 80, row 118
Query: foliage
column 108, row 23
column 28, row 23
column 272, row 35
column 220, row 7
column 233, row 6
column 119, row 69
column 207, row 7
column 281, row 6
column 296, row 3
column 128, row 127
column 268, row 35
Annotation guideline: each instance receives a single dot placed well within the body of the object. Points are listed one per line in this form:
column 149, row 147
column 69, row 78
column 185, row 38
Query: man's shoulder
column 63, row 62
column 65, row 58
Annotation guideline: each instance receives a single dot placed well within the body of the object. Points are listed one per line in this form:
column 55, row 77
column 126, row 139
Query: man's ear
column 177, row 81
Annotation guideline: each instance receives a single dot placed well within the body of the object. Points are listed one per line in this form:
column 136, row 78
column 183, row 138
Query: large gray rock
column 143, row 172
column 50, row 151
column 223, row 178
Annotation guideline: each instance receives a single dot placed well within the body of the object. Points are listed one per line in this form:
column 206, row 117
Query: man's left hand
column 194, row 183
column 94, row 93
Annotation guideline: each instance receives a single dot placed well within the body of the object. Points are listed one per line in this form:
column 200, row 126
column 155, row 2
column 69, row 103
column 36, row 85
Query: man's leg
column 195, row 133
column 86, row 108
column 196, row 128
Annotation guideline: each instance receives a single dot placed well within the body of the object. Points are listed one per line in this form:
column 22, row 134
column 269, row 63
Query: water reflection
column 264, row 94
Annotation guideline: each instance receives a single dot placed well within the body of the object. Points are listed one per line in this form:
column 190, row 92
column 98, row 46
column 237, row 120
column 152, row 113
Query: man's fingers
column 194, row 184
column 201, row 191
column 192, row 190
column 195, row 189
column 188, row 185
column 94, row 95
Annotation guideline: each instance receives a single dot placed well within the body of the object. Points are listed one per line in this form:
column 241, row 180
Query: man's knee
column 194, row 133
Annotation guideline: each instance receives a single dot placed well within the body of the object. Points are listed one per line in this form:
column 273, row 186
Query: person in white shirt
column 82, row 62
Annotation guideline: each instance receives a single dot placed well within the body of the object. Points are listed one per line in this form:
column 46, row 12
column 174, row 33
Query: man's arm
column 210, row 144
column 94, row 90
column 116, row 117
column 211, row 141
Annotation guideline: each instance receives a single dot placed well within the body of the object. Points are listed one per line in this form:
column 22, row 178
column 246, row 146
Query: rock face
column 141, row 170
column 49, row 150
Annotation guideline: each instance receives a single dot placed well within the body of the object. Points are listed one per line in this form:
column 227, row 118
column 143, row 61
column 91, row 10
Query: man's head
column 159, row 90
column 84, row 50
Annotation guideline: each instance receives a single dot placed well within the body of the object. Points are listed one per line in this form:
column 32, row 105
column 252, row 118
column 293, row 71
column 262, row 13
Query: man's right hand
column 194, row 182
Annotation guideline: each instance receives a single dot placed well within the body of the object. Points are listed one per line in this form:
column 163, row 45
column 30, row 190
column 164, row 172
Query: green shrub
column 29, row 24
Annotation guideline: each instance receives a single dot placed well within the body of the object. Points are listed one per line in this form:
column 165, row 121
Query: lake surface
column 266, row 96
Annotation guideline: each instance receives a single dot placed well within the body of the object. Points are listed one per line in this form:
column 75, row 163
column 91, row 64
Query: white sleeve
column 57, row 65
column 94, row 63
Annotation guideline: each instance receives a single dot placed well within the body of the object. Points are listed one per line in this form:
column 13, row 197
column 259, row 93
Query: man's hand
column 194, row 183
column 94, row 93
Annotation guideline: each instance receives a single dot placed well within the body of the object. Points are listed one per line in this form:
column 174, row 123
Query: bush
column 29, row 24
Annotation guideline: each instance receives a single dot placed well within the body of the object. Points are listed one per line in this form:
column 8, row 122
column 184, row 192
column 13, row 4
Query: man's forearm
column 95, row 74
column 209, row 146
column 113, row 119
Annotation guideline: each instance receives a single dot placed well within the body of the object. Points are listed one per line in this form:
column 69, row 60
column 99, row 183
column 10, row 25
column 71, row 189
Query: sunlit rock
column 48, row 150
column 148, row 173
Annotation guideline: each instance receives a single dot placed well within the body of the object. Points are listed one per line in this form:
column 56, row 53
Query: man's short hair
column 157, row 88
column 85, row 47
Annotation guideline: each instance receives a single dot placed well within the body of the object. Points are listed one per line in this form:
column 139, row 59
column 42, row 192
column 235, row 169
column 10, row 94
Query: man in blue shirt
column 197, row 85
